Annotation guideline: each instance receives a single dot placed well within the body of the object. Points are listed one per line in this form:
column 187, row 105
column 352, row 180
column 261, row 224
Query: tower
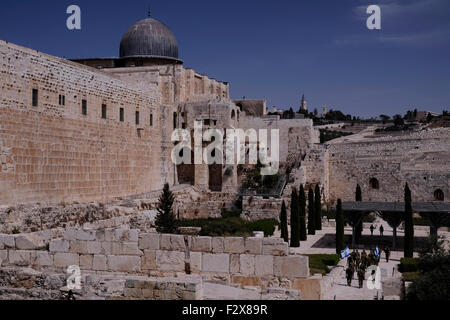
column 304, row 105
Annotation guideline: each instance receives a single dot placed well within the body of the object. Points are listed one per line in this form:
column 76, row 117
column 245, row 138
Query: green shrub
column 266, row 225
column 408, row 265
column 318, row 263
column 234, row 213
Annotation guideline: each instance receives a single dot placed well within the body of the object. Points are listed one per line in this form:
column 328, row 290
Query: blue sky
column 273, row 50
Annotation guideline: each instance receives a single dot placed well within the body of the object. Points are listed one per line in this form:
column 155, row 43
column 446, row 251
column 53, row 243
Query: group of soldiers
column 359, row 262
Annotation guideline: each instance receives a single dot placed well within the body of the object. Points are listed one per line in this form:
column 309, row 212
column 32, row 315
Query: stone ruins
column 85, row 150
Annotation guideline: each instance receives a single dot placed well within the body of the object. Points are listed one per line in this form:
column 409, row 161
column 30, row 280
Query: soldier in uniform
column 349, row 273
column 387, row 251
column 361, row 276
column 358, row 258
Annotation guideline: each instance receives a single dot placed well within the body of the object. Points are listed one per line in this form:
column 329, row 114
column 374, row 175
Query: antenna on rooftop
column 148, row 12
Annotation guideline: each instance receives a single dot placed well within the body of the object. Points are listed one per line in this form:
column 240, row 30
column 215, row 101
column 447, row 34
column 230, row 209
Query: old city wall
column 422, row 159
column 52, row 153
column 260, row 262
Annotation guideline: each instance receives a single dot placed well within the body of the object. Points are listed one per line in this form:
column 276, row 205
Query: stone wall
column 422, row 159
column 247, row 261
column 257, row 208
column 52, row 153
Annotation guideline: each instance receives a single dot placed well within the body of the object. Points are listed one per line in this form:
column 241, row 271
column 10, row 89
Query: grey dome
column 149, row 38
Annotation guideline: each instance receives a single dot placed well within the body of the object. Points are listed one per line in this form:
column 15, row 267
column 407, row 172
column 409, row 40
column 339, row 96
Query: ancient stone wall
column 422, row 159
column 259, row 261
column 52, row 152
column 257, row 208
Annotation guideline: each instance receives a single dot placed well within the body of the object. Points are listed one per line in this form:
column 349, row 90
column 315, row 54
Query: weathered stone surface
column 106, row 247
column 217, row 244
column 94, row 247
column 7, row 241
column 19, row 257
column 234, row 245
column 86, row 261
column 275, row 247
column 59, row 245
column 42, row 258
column 78, row 246
column 201, row 244
column 29, row 242
column 247, row 264
column 70, row 234
column 310, row 288
column 196, row 262
column 172, row 242
column 85, row 235
column 291, row 266
column 253, row 245
column 149, row 260
column 131, row 248
column 263, row 265
column 216, row 262
column 126, row 235
column 124, row 263
column 170, row 260
column 99, row 262
column 66, row 259
column 149, row 241
column 3, row 257
column 235, row 263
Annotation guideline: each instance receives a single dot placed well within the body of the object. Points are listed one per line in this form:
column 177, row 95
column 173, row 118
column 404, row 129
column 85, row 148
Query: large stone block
column 170, row 260
column 219, row 263
column 247, row 264
column 149, row 260
column 86, row 261
column 78, row 246
column 3, row 257
column 29, row 242
column 124, row 263
column 131, row 248
column 19, row 257
column 275, row 247
column 66, row 259
column 264, row 265
column 70, row 234
column 94, row 247
column 126, row 235
column 59, row 245
column 235, row 263
column 42, row 258
column 195, row 260
column 7, row 241
column 234, row 245
column 253, row 245
column 149, row 241
column 217, row 244
column 99, row 262
column 291, row 266
column 201, row 244
column 172, row 242
column 85, row 235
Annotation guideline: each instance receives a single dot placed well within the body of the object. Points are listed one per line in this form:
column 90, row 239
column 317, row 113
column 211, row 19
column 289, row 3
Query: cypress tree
column 409, row 226
column 165, row 219
column 359, row 226
column 302, row 211
column 339, row 227
column 311, row 216
column 295, row 232
column 318, row 208
column 284, row 224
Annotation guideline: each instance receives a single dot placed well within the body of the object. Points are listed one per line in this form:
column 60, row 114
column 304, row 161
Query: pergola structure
column 392, row 213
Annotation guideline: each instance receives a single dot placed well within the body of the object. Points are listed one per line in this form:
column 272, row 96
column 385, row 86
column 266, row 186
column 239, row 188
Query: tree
column 384, row 118
column 302, row 212
column 339, row 227
column 284, row 224
column 318, row 208
column 359, row 226
column 311, row 216
column 409, row 226
column 295, row 232
column 398, row 120
column 434, row 272
column 165, row 219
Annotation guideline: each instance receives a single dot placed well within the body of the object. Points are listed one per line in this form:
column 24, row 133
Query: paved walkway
column 323, row 242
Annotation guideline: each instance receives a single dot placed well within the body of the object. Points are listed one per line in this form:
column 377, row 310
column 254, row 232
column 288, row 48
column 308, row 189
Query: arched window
column 439, row 195
column 374, row 184
column 233, row 114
